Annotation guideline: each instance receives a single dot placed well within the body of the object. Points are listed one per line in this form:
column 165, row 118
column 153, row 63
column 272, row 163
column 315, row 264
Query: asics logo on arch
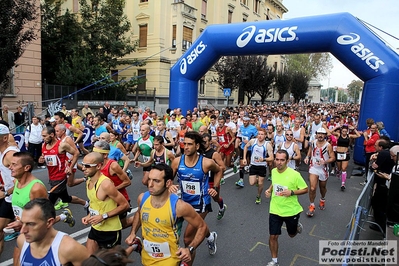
column 286, row 34
column 358, row 48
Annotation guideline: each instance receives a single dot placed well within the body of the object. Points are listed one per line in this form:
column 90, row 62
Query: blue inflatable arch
column 341, row 34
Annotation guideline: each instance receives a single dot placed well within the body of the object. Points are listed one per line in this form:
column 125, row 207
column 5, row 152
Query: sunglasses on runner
column 89, row 165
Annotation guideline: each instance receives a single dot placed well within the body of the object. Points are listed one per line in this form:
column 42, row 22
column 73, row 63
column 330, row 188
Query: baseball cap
column 321, row 130
column 52, row 119
column 4, row 130
column 246, row 118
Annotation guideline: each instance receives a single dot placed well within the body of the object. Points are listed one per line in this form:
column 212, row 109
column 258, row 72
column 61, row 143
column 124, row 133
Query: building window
column 75, row 6
column 142, row 79
column 256, row 6
column 203, row 9
column 244, row 2
column 202, row 86
column 187, row 37
column 114, row 75
column 8, row 85
column 229, row 16
column 174, row 36
column 143, row 36
column 142, row 1
column 268, row 14
column 244, row 19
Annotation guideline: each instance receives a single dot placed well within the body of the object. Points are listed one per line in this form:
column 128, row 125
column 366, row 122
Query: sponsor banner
column 88, row 134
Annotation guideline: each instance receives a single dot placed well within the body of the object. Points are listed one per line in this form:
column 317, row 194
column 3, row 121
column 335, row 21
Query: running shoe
column 129, row 174
column 60, row 205
column 343, row 187
column 272, row 263
column 11, row 236
column 332, row 171
column 258, row 200
column 182, row 263
column 69, row 218
column 137, row 245
column 322, row 204
column 310, row 211
column 235, row 168
column 299, row 228
column 222, row 181
column 240, row 183
column 212, row 244
column 221, row 212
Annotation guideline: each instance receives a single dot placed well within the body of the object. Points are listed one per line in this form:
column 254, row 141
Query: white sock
column 210, row 237
column 63, row 217
column 87, row 204
column 275, row 260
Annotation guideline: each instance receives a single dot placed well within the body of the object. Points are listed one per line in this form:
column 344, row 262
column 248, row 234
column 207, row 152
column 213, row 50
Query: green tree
column 354, row 89
column 342, row 97
column 61, row 35
column 299, row 85
column 227, row 72
column 268, row 76
column 328, row 93
column 17, row 30
column 97, row 43
column 315, row 65
column 282, row 84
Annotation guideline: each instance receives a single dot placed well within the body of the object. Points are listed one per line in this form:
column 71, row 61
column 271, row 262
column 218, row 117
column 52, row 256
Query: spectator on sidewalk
column 19, row 119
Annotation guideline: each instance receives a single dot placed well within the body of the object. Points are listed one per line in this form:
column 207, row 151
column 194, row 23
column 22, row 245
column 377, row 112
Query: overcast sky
column 383, row 14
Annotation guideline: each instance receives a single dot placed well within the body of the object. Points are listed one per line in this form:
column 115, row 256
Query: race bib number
column 93, row 212
column 191, row 188
column 17, row 212
column 51, row 160
column 157, row 250
column 221, row 139
column 341, row 156
column 245, row 138
column 146, row 158
column 182, row 140
column 116, row 127
column 278, row 189
column 136, row 131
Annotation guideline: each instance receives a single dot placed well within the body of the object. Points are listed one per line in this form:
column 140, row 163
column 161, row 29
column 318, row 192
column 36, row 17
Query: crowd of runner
column 264, row 141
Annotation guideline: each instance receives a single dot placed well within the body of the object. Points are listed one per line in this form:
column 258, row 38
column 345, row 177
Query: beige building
column 314, row 91
column 26, row 85
column 166, row 29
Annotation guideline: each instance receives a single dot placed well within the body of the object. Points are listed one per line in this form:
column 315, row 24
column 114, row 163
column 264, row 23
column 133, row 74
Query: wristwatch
column 191, row 249
column 105, row 216
column 292, row 193
column 6, row 194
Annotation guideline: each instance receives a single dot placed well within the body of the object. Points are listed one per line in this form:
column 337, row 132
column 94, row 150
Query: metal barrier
column 361, row 211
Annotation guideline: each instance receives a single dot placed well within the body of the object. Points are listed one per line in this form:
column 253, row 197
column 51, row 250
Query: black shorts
column 258, row 170
column 6, row 210
column 202, row 208
column 105, row 239
column 80, row 141
column 242, row 154
column 276, row 222
column 60, row 192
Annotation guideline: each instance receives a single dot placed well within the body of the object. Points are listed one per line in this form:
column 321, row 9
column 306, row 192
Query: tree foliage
column 82, row 50
column 227, row 70
column 342, row 97
column 251, row 74
column 17, row 30
column 354, row 89
column 299, row 85
column 282, row 84
column 316, row 65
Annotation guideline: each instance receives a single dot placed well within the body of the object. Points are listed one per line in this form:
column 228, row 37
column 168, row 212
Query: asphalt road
column 243, row 232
